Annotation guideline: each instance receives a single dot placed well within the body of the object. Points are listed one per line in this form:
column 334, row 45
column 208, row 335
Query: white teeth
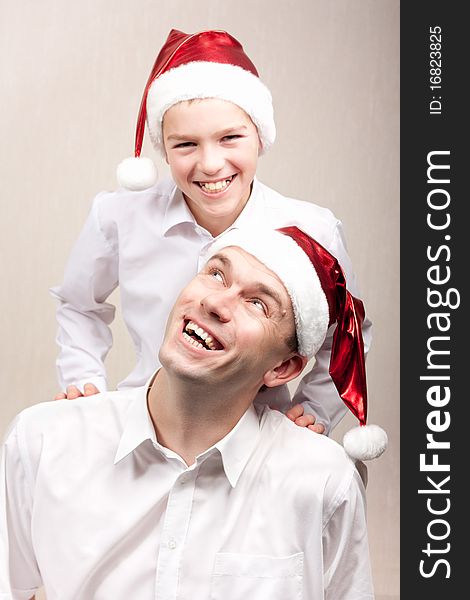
column 192, row 341
column 191, row 326
column 213, row 187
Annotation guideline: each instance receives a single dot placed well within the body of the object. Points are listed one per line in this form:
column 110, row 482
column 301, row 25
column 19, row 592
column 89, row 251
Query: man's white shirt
column 149, row 245
column 93, row 507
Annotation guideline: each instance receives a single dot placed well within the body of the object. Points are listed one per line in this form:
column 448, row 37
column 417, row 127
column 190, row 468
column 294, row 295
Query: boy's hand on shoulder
column 296, row 414
column 72, row 392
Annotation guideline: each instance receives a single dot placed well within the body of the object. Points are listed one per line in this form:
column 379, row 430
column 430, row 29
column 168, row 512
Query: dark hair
column 292, row 342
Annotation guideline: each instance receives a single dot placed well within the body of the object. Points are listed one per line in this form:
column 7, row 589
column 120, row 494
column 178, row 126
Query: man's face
column 212, row 149
column 230, row 324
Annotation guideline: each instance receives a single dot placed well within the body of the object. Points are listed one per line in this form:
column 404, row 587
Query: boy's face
column 212, row 149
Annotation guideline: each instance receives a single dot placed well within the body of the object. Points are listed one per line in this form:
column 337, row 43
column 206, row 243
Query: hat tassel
column 365, row 442
column 137, row 173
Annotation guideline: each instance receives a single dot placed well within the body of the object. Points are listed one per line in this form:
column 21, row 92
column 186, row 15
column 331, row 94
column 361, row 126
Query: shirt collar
column 138, row 426
column 177, row 211
column 251, row 212
column 235, row 448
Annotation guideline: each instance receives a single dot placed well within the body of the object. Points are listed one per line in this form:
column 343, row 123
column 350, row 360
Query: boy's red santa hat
column 316, row 285
column 208, row 64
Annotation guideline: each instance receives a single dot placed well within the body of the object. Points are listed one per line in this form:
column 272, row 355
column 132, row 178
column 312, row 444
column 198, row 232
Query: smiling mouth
column 195, row 335
column 213, row 187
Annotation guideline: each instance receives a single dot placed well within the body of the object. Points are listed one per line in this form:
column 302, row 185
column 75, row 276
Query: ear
column 286, row 371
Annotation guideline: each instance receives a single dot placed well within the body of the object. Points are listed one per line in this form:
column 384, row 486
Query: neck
column 216, row 224
column 188, row 417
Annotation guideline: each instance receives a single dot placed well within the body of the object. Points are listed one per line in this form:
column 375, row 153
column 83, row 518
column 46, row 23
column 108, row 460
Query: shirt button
column 172, row 543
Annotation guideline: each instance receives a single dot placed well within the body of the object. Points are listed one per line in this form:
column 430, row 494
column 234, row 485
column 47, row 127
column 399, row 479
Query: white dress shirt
column 149, row 244
column 94, row 508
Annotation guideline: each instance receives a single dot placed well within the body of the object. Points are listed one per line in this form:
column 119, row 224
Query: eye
column 231, row 138
column 217, row 274
column 184, row 145
column 259, row 304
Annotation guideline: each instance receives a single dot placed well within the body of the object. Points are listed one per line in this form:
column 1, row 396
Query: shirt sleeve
column 83, row 316
column 316, row 391
column 346, row 562
column 19, row 572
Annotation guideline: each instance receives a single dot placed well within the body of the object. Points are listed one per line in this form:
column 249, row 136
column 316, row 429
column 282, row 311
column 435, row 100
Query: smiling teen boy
column 211, row 116
column 181, row 489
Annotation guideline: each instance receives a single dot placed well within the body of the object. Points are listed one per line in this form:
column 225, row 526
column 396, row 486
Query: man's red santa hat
column 207, row 64
column 316, row 285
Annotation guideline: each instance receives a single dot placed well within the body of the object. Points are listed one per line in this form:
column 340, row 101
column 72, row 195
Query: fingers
column 305, row 420
column 295, row 412
column 73, row 392
column 317, row 428
column 90, row 389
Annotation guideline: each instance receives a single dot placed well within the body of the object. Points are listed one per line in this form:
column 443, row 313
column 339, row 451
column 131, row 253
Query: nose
column 218, row 306
column 211, row 160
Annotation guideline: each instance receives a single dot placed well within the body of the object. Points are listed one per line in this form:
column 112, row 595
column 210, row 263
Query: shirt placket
column 174, row 533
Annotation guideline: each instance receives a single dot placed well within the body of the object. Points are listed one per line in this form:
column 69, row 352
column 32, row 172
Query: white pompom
column 366, row 442
column 136, row 173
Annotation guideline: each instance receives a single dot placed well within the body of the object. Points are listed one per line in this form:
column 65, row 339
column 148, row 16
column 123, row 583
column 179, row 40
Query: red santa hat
column 316, row 285
column 208, row 64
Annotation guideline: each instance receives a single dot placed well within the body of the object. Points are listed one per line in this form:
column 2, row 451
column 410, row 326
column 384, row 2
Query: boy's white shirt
column 149, row 245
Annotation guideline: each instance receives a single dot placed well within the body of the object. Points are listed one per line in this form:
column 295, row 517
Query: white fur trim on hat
column 201, row 79
column 282, row 255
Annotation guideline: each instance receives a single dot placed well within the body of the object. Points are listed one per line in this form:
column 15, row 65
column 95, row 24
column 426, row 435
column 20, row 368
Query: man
column 180, row 489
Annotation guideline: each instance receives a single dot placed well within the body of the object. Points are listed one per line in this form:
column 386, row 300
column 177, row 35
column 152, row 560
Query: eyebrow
column 221, row 133
column 175, row 136
column 230, row 130
column 259, row 287
column 223, row 259
column 267, row 291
